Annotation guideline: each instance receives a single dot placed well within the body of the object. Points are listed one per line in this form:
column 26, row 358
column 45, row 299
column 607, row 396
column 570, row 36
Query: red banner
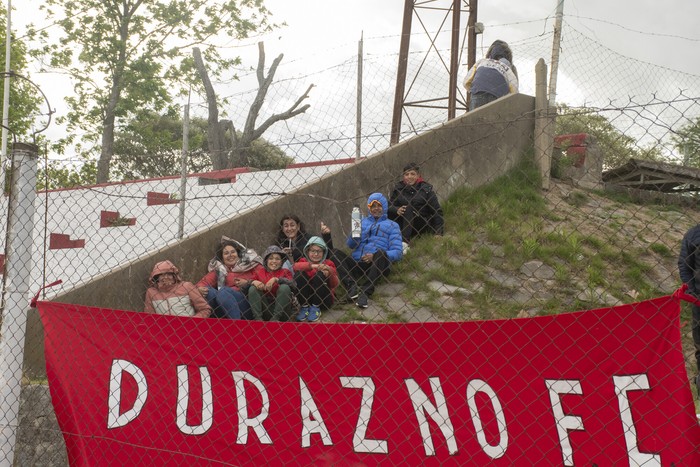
column 605, row 387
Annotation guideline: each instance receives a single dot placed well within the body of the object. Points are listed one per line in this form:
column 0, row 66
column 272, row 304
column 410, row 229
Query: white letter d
column 114, row 419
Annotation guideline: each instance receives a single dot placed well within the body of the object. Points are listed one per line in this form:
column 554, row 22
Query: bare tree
column 233, row 151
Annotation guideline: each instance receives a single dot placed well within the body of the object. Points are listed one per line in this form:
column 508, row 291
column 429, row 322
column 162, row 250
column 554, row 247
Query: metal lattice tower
column 449, row 15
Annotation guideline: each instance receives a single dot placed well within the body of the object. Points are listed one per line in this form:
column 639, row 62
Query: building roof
column 654, row 176
column 82, row 233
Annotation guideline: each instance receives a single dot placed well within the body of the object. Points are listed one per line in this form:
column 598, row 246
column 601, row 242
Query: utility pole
column 6, row 96
column 20, row 228
column 183, row 167
column 454, row 61
column 555, row 53
column 358, row 116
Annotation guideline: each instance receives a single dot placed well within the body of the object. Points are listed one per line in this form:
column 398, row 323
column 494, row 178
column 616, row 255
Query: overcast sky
column 635, row 28
column 318, row 31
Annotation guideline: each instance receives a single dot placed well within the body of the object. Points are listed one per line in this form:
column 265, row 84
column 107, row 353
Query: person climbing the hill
column 170, row 295
column 492, row 77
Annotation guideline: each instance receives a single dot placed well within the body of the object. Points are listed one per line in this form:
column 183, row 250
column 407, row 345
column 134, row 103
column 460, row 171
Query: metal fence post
column 183, row 170
column 18, row 273
column 544, row 125
column 358, row 117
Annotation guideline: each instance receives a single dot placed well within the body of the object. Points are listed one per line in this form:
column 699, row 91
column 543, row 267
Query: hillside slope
column 511, row 249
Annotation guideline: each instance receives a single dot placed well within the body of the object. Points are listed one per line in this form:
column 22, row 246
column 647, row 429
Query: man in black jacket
column 414, row 205
column 689, row 269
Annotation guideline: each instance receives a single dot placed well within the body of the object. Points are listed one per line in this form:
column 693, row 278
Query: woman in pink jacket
column 169, row 295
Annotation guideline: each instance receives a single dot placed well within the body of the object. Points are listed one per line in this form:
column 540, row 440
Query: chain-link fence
column 606, row 232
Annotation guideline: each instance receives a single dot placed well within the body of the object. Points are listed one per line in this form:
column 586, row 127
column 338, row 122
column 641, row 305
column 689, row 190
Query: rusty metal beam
column 471, row 33
column 454, row 61
column 453, row 7
column 401, row 71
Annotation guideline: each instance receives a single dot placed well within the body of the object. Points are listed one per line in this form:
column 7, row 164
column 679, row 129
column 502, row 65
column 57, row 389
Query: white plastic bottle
column 356, row 222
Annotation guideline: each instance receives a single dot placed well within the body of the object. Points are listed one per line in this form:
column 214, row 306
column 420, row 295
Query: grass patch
column 590, row 259
column 352, row 314
column 661, row 249
column 484, row 255
column 394, row 317
column 562, row 274
column 577, row 198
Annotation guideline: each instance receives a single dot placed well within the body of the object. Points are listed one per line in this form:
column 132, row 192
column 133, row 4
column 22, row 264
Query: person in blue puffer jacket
column 373, row 253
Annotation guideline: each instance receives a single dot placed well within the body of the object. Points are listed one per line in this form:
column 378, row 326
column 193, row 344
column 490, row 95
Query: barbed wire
column 509, row 248
column 643, row 33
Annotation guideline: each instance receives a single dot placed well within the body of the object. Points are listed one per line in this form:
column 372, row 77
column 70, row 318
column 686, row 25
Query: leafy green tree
column 25, row 100
column 127, row 55
column 63, row 174
column 617, row 148
column 151, row 146
column 687, row 141
column 264, row 155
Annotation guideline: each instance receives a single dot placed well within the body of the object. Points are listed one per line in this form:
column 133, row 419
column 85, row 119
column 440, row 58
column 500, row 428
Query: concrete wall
column 39, row 438
column 470, row 150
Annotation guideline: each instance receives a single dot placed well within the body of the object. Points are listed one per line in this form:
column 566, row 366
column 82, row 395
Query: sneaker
column 405, row 247
column 353, row 293
column 314, row 314
column 362, row 301
column 303, row 313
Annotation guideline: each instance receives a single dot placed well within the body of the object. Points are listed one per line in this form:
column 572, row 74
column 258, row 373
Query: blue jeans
column 480, row 98
column 228, row 303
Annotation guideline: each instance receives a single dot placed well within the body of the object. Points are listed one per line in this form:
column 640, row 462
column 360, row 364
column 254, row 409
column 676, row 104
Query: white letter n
column 437, row 412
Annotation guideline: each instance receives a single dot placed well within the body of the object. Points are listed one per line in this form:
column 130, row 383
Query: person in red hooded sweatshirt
column 169, row 295
column 316, row 277
column 271, row 291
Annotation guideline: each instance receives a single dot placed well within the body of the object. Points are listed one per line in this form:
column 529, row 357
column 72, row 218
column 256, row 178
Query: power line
column 645, row 33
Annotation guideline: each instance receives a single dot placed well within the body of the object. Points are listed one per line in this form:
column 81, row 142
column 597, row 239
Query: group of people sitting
column 297, row 276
